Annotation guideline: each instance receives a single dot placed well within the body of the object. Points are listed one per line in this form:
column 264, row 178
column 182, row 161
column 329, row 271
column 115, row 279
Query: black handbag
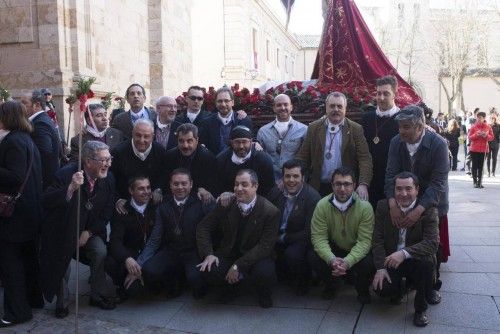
column 8, row 201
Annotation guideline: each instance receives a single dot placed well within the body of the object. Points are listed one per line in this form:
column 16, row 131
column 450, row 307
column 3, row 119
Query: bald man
column 165, row 124
column 282, row 138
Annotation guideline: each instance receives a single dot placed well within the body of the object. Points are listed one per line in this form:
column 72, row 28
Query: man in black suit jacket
column 136, row 97
column 194, row 114
column 216, row 129
column 171, row 252
column 166, row 124
column 249, row 228
column 140, row 156
column 296, row 201
column 197, row 159
column 96, row 129
column 45, row 135
column 61, row 204
column 129, row 234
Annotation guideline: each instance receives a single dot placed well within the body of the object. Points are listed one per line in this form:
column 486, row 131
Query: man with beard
column 296, row 202
column 334, row 141
column 125, row 121
column 96, row 129
column 341, row 234
column 61, row 205
column 281, row 138
column 197, row 159
column 249, row 228
column 379, row 127
column 166, row 125
column 243, row 156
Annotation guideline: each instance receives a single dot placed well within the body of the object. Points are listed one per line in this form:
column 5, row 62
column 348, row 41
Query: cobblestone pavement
column 471, row 293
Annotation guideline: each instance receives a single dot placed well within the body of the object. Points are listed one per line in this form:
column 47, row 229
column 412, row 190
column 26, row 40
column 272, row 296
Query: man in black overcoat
column 96, row 204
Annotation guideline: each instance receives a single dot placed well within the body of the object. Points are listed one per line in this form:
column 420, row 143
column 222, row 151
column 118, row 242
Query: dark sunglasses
column 47, row 94
column 194, row 98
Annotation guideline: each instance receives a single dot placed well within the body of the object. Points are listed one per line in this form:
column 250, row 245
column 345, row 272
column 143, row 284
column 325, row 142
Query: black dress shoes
column 103, row 303
column 434, row 298
column 265, row 299
column 5, row 323
column 61, row 312
column 420, row 319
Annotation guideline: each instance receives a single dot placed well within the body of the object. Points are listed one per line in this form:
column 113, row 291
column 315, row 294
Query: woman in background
column 493, row 153
column 479, row 135
column 452, row 134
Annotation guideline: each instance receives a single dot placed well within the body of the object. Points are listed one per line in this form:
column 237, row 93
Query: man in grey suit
column 136, row 96
column 406, row 251
column 96, row 129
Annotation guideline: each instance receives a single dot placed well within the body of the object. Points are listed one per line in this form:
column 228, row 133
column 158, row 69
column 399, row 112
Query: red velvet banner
column 349, row 55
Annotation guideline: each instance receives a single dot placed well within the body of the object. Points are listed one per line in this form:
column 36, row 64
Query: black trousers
column 19, row 272
column 492, row 159
column 292, row 260
column 262, row 274
column 421, row 274
column 361, row 272
column 167, row 266
column 118, row 272
column 477, row 159
column 454, row 157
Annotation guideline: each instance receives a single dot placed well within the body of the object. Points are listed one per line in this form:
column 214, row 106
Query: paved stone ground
column 471, row 293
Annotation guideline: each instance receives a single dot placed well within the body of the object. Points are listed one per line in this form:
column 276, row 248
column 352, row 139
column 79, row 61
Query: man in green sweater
column 341, row 234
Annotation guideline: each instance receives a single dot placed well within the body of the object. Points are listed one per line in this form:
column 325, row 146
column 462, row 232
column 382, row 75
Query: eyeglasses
column 223, row 101
column 47, row 94
column 342, row 184
column 103, row 161
column 194, row 98
column 170, row 106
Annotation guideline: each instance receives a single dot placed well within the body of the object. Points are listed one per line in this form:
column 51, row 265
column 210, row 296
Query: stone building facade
column 52, row 43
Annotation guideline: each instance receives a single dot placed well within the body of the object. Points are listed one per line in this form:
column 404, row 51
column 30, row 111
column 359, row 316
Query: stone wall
column 51, row 43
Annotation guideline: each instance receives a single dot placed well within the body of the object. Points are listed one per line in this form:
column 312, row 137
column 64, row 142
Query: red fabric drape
column 349, row 55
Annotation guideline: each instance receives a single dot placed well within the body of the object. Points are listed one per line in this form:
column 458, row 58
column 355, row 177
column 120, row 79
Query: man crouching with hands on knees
column 249, row 228
column 61, row 205
column 406, row 252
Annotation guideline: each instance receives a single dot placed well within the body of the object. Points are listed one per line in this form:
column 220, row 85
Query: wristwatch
column 234, row 267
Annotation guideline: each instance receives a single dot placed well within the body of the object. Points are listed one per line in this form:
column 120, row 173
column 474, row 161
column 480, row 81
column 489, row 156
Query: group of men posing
column 194, row 199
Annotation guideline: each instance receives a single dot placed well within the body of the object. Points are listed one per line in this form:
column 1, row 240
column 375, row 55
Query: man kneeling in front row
column 406, row 251
column 249, row 228
column 341, row 234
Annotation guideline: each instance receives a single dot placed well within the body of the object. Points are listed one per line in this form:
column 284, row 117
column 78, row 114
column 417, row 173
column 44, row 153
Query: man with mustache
column 335, row 141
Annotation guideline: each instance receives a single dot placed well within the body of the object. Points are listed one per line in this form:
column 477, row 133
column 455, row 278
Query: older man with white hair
column 166, row 125
column 140, row 156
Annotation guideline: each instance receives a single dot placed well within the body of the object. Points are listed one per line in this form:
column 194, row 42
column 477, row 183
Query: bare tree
column 460, row 32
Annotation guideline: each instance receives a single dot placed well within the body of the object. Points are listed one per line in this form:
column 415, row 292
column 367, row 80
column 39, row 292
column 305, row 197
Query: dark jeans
column 492, row 159
column 361, row 272
column 19, row 270
column 168, row 265
column 454, row 157
column 420, row 273
column 477, row 159
column 262, row 274
column 292, row 260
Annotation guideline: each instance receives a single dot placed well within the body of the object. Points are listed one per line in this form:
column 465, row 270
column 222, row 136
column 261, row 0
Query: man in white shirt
column 166, row 124
column 406, row 251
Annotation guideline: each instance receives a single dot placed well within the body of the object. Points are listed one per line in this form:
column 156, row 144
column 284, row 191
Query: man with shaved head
column 282, row 138
column 165, row 124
